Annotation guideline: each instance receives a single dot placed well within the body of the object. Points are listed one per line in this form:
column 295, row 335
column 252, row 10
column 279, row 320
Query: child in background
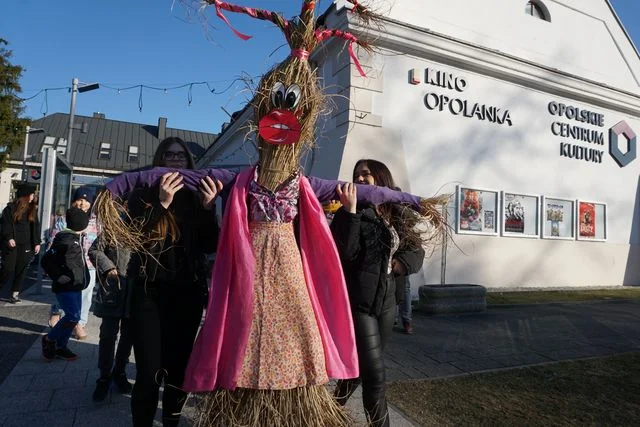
column 113, row 304
column 65, row 263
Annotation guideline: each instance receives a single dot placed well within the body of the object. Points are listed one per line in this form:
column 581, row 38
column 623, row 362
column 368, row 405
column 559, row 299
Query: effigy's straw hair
column 118, row 228
column 311, row 406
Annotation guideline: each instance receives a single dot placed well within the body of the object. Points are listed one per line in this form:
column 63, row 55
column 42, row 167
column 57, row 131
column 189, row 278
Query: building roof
column 88, row 147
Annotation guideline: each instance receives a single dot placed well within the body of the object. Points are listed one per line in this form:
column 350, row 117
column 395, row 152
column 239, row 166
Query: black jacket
column 113, row 298
column 65, row 259
column 364, row 245
column 182, row 262
column 24, row 232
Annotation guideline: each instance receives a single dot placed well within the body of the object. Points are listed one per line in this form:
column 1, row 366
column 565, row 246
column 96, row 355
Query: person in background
column 65, row 263
column 112, row 303
column 169, row 282
column 83, row 198
column 375, row 243
column 20, row 231
column 403, row 296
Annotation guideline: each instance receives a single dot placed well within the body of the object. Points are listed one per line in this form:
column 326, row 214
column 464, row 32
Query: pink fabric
column 220, row 346
column 327, row 288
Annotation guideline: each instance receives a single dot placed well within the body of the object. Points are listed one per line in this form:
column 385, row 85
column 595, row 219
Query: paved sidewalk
column 58, row 393
column 504, row 337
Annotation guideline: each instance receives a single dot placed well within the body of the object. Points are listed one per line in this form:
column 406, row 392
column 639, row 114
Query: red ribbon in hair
column 224, row 18
column 325, row 34
column 300, row 54
column 309, row 5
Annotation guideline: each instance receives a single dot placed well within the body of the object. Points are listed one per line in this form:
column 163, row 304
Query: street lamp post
column 75, row 89
column 25, row 151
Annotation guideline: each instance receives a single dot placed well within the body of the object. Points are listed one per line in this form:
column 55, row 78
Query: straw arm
column 325, row 191
column 127, row 182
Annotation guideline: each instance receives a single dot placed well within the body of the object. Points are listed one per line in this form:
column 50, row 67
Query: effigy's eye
column 278, row 95
column 292, row 96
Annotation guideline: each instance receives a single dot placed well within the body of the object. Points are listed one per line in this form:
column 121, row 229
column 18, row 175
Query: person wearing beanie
column 82, row 198
column 65, row 263
column 20, row 239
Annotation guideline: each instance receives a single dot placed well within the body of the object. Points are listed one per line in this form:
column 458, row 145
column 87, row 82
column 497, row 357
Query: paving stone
column 58, row 418
column 72, row 397
column 59, row 380
column 109, row 415
column 24, row 402
column 16, row 383
column 441, row 370
column 473, row 365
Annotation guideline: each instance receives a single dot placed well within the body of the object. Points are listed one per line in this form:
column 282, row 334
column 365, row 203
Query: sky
column 158, row 43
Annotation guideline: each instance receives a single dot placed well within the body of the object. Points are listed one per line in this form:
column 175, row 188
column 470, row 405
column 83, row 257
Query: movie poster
column 514, row 213
column 555, row 214
column 489, row 220
column 587, row 219
column 471, row 210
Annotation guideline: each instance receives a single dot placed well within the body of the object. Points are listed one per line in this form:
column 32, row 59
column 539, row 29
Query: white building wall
column 583, row 37
column 512, row 61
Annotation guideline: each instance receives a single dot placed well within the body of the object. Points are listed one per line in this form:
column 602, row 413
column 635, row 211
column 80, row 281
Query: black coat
column 113, row 298
column 364, row 245
column 24, row 232
column 65, row 258
column 182, row 262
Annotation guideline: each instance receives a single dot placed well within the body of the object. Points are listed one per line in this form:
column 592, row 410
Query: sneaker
column 407, row 327
column 122, row 383
column 48, row 348
column 15, row 300
column 65, row 354
column 102, row 389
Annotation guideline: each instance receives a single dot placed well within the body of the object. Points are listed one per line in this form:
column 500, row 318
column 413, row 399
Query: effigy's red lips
column 279, row 127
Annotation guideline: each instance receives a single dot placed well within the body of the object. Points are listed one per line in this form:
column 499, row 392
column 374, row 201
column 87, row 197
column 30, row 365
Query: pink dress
column 284, row 349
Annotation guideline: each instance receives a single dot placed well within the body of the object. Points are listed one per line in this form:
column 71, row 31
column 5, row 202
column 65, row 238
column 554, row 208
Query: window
column 105, row 151
column 61, row 147
column 48, row 143
column 133, row 153
column 538, row 10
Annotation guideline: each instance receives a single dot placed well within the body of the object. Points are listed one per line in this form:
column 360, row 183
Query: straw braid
column 262, row 14
column 323, row 34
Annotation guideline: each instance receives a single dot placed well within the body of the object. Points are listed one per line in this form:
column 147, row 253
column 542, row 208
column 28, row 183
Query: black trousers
column 165, row 320
column 372, row 334
column 15, row 263
column 109, row 329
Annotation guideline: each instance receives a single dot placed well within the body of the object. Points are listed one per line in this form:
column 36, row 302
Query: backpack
column 52, row 261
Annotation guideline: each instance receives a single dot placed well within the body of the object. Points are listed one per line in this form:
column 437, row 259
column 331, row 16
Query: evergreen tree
column 12, row 127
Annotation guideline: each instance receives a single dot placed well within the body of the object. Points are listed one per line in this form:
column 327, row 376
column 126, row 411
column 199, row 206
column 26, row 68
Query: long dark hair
column 402, row 218
column 167, row 224
column 164, row 146
column 24, row 206
column 380, row 172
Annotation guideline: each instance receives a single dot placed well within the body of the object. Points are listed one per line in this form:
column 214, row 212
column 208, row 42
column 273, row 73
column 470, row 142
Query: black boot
column 102, row 389
column 122, row 383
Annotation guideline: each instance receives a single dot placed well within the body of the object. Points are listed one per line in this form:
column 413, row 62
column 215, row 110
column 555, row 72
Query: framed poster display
column 520, row 215
column 477, row 211
column 558, row 218
column 591, row 221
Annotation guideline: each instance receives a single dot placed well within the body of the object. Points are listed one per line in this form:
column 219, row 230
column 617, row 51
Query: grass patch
column 590, row 392
column 531, row 297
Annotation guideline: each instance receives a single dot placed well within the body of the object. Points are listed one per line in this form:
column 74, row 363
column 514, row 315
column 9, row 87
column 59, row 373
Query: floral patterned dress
column 284, row 349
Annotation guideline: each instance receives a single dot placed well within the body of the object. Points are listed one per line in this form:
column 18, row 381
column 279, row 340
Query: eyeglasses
column 174, row 155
